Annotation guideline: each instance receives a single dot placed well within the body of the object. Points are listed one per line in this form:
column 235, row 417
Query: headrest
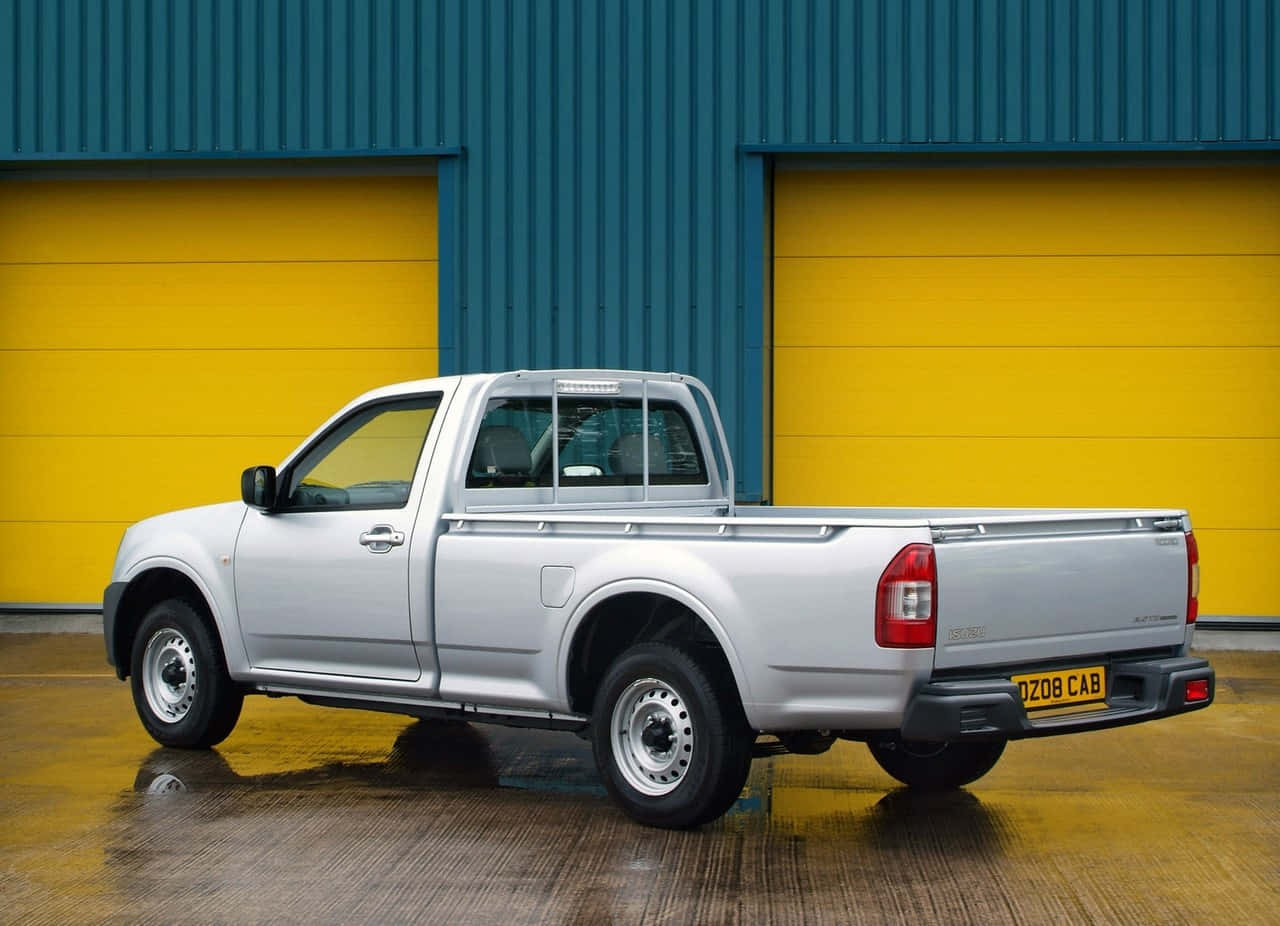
column 626, row 456
column 501, row 450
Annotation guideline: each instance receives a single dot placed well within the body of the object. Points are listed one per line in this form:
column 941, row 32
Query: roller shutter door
column 1078, row 337
column 160, row 335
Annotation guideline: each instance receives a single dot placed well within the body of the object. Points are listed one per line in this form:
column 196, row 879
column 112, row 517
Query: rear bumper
column 992, row 708
column 110, row 605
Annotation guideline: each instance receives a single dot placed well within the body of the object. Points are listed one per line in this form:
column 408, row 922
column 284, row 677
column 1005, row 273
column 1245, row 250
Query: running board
column 440, row 710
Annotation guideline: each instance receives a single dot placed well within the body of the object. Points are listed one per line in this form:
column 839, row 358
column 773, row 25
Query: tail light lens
column 1193, row 578
column 907, row 599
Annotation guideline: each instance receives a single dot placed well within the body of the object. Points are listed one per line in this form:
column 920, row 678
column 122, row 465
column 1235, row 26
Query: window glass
column 367, row 461
column 601, row 443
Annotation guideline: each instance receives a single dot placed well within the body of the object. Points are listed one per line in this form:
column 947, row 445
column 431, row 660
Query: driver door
column 322, row 580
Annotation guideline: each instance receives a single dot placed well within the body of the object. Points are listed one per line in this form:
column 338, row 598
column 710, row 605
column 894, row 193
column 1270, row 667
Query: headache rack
column 612, row 382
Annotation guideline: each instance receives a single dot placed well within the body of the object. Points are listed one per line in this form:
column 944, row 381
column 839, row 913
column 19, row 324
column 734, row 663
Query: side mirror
column 258, row 487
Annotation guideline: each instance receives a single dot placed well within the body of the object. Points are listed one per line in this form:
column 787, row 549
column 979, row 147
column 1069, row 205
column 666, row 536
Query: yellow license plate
column 1068, row 686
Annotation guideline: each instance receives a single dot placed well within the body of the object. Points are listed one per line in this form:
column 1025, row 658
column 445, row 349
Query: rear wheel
column 181, row 688
column 669, row 736
column 935, row 766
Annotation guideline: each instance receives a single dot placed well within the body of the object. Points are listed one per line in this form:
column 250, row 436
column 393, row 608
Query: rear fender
column 656, row 587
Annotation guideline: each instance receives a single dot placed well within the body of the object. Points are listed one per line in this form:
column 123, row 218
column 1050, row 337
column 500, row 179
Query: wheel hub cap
column 169, row 675
column 658, row 736
column 173, row 674
column 653, row 736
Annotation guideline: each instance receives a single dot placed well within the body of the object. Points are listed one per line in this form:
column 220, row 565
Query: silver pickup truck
column 561, row 549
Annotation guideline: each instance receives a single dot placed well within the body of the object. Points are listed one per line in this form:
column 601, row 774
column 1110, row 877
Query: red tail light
column 907, row 599
column 1193, row 578
column 1197, row 690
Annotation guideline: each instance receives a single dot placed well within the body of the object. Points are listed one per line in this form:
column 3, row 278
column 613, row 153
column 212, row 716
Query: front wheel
column 181, row 688
column 935, row 766
column 669, row 736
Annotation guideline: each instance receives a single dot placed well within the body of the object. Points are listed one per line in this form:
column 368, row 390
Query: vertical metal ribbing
column 833, row 74
column 84, row 80
column 1097, row 70
column 61, row 96
column 1196, row 80
column 304, row 82
column 1001, row 70
column 126, row 72
column 235, row 58
column 855, row 89
column 1244, row 68
column 1122, row 71
column 1171, row 68
column 1026, row 75
column 953, row 71
column 1221, row 64
column 811, row 39
column 930, row 45
column 1147, row 69
column 880, row 77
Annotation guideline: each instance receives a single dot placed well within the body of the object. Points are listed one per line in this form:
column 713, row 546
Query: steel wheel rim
column 169, row 675
column 653, row 736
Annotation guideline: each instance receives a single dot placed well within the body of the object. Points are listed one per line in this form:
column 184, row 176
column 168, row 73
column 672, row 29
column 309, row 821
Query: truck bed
column 795, row 589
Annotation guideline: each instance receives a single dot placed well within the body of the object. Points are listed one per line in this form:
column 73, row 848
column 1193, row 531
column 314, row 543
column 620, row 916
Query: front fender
column 218, row 596
column 199, row 544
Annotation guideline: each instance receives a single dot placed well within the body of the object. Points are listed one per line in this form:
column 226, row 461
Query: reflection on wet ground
column 308, row 814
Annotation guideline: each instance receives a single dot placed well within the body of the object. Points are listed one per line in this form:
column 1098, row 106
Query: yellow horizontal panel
column 208, row 305
column 1086, row 392
column 66, row 563
column 1091, row 301
column 1238, row 573
column 212, row 219
column 1221, row 482
column 1098, row 210
column 69, row 479
column 191, row 392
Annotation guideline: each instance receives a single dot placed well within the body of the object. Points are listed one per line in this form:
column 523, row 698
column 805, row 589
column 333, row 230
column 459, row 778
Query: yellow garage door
column 157, row 336
column 1064, row 337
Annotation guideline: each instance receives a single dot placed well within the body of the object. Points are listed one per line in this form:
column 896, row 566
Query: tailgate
column 1013, row 589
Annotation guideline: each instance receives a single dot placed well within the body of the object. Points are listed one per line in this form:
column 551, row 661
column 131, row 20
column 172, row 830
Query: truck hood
column 189, row 535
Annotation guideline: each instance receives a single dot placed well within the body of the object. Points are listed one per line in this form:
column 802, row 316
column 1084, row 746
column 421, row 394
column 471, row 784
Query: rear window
column 601, row 443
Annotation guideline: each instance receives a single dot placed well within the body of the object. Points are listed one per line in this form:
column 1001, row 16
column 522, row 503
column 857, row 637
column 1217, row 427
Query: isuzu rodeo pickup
column 561, row 549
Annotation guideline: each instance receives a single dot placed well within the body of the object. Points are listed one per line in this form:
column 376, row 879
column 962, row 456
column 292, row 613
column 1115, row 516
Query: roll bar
column 603, row 382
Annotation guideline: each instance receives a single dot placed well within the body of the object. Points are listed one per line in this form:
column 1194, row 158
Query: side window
column 367, row 461
column 601, row 443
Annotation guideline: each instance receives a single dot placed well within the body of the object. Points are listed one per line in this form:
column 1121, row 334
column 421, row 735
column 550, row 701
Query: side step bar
column 440, row 710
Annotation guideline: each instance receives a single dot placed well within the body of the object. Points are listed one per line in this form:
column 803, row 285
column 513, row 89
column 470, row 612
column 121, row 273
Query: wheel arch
column 665, row 606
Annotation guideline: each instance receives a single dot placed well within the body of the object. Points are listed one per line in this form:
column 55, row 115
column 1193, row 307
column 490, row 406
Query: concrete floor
column 314, row 815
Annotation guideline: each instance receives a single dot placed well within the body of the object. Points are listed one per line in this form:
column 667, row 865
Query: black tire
column 698, row 750
column 935, row 766
column 181, row 688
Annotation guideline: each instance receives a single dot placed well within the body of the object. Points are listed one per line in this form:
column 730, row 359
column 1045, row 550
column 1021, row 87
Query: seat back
column 626, row 456
column 502, row 455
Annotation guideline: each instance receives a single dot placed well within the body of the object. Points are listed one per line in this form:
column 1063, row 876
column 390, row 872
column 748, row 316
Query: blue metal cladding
column 607, row 204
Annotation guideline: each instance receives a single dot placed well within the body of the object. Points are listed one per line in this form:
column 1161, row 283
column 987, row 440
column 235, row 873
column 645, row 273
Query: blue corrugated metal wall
column 607, row 209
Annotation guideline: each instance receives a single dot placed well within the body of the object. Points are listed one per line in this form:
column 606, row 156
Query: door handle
column 381, row 538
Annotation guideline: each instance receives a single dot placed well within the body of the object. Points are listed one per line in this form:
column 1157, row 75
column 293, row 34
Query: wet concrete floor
column 312, row 815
